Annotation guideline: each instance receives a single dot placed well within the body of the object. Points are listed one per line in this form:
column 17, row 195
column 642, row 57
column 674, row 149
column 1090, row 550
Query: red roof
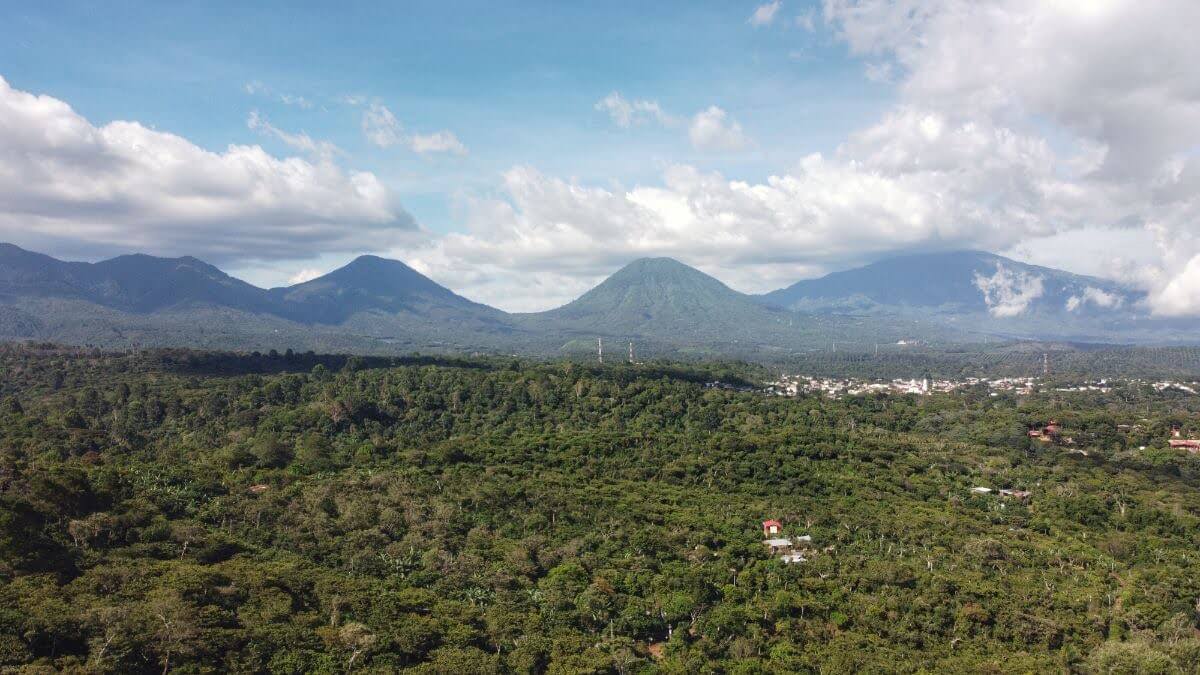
column 769, row 523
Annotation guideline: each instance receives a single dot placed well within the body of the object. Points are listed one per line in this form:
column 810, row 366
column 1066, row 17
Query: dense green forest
column 199, row 512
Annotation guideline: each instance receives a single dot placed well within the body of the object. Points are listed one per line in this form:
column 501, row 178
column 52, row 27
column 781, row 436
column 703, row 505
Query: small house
column 1016, row 494
column 772, row 528
column 1190, row 444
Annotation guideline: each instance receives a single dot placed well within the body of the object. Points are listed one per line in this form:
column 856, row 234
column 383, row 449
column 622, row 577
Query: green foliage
column 200, row 512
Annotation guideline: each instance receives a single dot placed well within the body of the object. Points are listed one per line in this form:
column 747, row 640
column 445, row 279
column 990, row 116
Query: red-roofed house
column 772, row 528
column 1190, row 444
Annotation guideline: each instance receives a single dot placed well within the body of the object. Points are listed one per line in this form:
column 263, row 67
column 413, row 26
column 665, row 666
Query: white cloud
column 1104, row 78
column 381, row 127
column 383, row 130
column 625, row 113
column 298, row 101
column 439, row 141
column 301, row 141
column 82, row 190
column 764, row 15
column 807, row 21
column 1178, row 296
column 303, row 275
column 880, row 72
column 257, row 88
column 1008, row 293
column 1097, row 297
column 549, row 239
column 713, row 129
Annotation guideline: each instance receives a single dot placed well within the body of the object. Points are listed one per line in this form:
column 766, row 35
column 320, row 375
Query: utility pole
column 631, row 351
column 600, row 349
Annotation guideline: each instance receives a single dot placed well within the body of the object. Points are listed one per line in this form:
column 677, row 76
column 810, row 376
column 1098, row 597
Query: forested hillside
column 193, row 512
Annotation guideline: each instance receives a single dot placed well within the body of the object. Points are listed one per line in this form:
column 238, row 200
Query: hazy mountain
column 376, row 285
column 661, row 301
column 131, row 283
column 990, row 293
column 653, row 295
column 370, row 304
column 379, row 305
column 954, row 281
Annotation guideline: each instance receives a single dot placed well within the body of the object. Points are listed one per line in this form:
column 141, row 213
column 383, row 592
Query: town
column 838, row 387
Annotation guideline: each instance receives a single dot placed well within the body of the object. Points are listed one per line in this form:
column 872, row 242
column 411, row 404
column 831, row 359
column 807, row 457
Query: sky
column 518, row 153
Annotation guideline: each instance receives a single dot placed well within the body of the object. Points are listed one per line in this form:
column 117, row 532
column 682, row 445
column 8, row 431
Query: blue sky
column 519, row 152
column 515, row 82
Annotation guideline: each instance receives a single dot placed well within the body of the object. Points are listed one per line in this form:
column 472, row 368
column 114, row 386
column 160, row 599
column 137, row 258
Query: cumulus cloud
column 383, row 130
column 549, row 239
column 83, row 190
column 1178, row 296
column 1008, row 293
column 764, row 15
column 713, row 129
column 303, row 275
column 1105, row 77
column 1096, row 297
column 625, row 113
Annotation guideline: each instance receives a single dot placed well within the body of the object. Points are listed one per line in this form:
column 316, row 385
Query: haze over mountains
column 379, row 305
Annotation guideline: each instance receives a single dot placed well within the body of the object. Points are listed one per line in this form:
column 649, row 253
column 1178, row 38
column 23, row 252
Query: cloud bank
column 79, row 189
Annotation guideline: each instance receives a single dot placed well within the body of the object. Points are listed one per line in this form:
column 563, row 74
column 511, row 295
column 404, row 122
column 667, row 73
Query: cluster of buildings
column 794, row 385
column 1101, row 386
column 1189, row 388
column 835, row 387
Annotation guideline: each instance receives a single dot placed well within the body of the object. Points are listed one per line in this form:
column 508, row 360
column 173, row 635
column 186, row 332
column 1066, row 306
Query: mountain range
column 378, row 305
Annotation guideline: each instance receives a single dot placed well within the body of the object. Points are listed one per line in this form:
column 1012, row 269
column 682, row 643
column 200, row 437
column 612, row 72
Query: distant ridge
column 373, row 284
column 994, row 294
column 133, row 283
column 935, row 280
column 659, row 291
column 379, row 305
